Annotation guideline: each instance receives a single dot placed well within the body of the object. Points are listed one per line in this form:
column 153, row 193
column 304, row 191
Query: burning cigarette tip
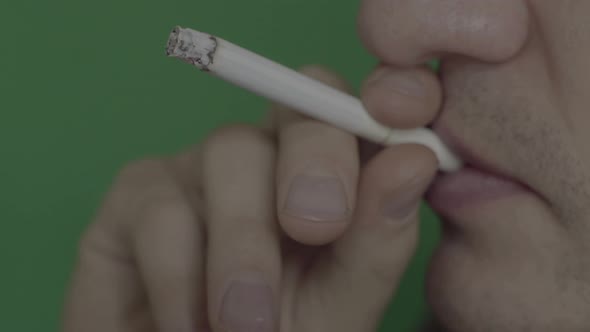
column 192, row 46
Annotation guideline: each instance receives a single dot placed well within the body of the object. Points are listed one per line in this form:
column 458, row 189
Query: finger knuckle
column 97, row 243
column 136, row 185
column 140, row 170
column 235, row 138
column 138, row 178
column 142, row 191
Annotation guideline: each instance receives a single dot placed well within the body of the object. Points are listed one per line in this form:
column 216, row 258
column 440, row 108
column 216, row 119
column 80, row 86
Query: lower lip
column 469, row 188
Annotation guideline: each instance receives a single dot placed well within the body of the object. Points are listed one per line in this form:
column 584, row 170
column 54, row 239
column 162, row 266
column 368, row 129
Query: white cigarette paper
column 297, row 91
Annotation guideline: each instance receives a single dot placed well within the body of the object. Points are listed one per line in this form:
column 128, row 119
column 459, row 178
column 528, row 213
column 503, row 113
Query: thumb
column 359, row 276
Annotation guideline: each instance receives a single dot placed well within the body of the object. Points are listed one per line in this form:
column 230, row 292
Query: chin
column 507, row 284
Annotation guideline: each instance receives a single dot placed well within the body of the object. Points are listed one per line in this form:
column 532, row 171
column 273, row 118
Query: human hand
column 287, row 229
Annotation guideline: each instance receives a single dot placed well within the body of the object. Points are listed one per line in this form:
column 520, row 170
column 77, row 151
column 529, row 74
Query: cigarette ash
column 192, row 46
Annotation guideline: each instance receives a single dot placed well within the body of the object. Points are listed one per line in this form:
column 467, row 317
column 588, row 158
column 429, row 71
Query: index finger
column 317, row 172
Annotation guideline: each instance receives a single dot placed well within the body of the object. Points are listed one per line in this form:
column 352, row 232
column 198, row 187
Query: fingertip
column 399, row 165
column 385, row 229
column 384, row 234
column 315, row 203
column 408, row 168
column 402, row 97
column 312, row 233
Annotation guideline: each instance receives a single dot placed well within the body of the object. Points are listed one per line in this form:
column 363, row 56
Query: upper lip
column 469, row 157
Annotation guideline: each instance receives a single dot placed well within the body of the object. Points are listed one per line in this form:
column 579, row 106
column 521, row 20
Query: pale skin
column 307, row 232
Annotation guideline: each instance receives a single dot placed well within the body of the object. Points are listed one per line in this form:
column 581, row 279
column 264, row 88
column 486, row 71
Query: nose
column 405, row 32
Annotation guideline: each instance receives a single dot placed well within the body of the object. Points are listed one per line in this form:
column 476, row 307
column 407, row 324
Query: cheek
column 573, row 86
column 564, row 28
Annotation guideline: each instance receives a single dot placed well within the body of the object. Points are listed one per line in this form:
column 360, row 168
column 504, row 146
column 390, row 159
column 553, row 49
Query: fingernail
column 377, row 75
column 409, row 85
column 405, row 203
column 319, row 198
column 247, row 307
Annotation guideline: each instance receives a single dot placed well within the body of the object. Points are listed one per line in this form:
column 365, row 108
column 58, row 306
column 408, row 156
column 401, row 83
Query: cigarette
column 285, row 86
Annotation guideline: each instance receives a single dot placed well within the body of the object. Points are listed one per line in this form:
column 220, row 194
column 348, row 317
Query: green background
column 85, row 88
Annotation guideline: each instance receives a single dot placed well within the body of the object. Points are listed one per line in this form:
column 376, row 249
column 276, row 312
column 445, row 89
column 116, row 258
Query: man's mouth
column 478, row 183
